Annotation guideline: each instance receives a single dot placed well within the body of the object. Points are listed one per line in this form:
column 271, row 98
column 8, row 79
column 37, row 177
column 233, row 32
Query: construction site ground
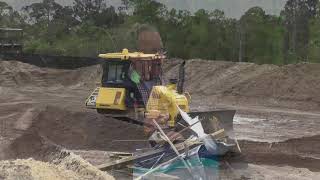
column 47, row 133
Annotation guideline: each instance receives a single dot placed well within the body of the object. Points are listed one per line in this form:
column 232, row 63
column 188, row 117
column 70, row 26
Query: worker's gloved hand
column 156, row 139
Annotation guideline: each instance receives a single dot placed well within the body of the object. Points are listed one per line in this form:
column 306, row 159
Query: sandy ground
column 273, row 103
column 42, row 116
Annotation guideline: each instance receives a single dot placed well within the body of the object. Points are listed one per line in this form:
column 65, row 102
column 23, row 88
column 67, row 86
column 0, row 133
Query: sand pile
column 15, row 74
column 220, row 82
column 209, row 82
column 66, row 166
column 31, row 169
column 48, row 158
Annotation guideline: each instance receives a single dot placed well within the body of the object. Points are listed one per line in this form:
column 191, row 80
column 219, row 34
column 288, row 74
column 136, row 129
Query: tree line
column 89, row 27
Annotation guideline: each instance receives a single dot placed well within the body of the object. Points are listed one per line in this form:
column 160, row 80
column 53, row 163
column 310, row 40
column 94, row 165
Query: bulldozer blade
column 213, row 121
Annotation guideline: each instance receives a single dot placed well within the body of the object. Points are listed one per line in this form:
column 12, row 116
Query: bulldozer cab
column 115, row 73
column 136, row 72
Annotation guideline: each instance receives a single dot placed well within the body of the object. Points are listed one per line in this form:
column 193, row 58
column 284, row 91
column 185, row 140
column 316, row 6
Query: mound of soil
column 86, row 130
column 31, row 169
column 300, row 152
column 218, row 82
column 210, row 83
column 53, row 129
column 16, row 74
column 75, row 130
column 49, row 161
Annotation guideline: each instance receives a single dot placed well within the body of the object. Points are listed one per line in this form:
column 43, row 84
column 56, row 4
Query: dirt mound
column 220, row 82
column 300, row 152
column 76, row 130
column 209, row 82
column 51, row 162
column 31, row 169
column 14, row 73
column 70, row 167
column 86, row 130
column 53, row 129
column 46, row 157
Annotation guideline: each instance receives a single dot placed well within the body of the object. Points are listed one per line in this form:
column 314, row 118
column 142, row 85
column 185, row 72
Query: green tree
column 222, row 37
column 43, row 11
column 86, row 9
column 9, row 17
column 90, row 27
column 297, row 15
column 97, row 12
column 314, row 42
column 174, row 31
column 147, row 11
column 261, row 37
column 5, row 8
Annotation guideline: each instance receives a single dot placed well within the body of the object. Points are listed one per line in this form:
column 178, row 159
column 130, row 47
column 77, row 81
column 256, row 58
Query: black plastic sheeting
column 51, row 61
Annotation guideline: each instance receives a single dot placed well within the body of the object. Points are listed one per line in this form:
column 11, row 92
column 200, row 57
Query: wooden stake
column 236, row 140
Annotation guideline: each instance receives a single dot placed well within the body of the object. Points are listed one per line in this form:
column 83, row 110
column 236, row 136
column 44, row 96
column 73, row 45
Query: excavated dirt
column 300, row 152
column 49, row 161
column 17, row 74
column 293, row 86
column 42, row 116
column 85, row 130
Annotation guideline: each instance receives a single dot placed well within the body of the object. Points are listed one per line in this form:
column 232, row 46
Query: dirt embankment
column 30, row 130
column 293, row 86
column 86, row 130
column 17, row 74
column 300, row 152
column 49, row 161
column 211, row 83
column 72, row 130
column 54, row 130
column 33, row 156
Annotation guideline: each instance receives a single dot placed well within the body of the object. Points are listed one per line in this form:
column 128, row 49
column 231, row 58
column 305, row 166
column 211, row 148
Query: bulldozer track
column 129, row 120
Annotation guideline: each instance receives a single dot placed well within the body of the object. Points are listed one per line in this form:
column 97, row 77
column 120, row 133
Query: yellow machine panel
column 126, row 55
column 166, row 99
column 111, row 98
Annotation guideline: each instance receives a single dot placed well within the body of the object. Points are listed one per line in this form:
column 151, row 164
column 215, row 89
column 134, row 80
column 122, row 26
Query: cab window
column 148, row 70
column 115, row 73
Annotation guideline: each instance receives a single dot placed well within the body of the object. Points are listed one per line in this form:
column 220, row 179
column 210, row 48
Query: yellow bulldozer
column 132, row 86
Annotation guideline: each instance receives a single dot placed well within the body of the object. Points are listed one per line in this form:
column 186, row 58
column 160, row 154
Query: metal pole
column 173, row 147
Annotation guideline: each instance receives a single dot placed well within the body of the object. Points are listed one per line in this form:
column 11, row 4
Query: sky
column 232, row 8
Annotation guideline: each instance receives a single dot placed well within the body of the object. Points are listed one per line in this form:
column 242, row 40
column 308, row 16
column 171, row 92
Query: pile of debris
column 185, row 149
